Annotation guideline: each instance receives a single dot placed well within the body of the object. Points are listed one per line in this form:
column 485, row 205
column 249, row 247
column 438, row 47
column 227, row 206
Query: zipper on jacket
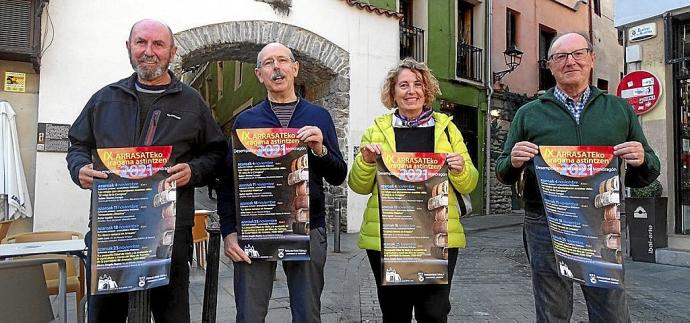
column 152, row 127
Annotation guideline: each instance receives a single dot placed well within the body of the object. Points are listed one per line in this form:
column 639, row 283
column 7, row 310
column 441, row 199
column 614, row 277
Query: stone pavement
column 491, row 282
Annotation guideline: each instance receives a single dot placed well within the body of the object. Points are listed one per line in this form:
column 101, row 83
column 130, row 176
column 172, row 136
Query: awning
column 12, row 179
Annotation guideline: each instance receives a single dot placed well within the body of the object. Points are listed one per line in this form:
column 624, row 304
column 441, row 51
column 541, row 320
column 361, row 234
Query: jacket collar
column 128, row 84
column 549, row 95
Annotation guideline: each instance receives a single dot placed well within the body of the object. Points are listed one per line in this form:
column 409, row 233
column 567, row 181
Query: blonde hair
column 429, row 82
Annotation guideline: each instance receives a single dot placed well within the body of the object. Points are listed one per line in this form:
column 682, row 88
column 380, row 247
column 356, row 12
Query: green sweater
column 606, row 120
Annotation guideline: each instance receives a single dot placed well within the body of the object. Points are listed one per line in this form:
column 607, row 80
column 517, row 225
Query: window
column 597, row 7
column 603, row 85
column 465, row 13
column 546, row 36
column 511, row 28
column 238, row 74
column 621, row 36
column 219, row 74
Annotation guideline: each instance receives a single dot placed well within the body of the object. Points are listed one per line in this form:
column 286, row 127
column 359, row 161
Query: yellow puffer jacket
column 362, row 177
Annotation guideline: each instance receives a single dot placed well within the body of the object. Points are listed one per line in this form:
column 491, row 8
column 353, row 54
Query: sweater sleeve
column 331, row 166
column 505, row 172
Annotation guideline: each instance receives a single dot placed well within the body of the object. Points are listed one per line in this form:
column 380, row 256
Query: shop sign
column 641, row 89
column 15, row 82
column 642, row 32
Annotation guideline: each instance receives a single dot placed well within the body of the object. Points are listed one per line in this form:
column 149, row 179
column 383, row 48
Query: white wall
column 88, row 52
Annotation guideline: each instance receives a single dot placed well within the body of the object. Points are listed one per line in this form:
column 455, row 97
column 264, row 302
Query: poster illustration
column 413, row 208
column 580, row 187
column 132, row 220
column 271, row 172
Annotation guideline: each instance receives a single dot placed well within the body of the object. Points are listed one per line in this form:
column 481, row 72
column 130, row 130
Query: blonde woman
column 409, row 89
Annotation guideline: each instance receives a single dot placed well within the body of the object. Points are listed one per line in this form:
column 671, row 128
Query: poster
column 413, row 208
column 271, row 172
column 581, row 192
column 132, row 221
column 52, row 137
column 15, row 82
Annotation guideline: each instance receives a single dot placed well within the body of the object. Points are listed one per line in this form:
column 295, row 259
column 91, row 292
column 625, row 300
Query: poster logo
column 413, row 167
column 577, row 161
column 135, row 162
column 269, row 142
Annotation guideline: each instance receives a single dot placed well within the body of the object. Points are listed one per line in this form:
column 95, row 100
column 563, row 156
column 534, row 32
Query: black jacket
column 179, row 117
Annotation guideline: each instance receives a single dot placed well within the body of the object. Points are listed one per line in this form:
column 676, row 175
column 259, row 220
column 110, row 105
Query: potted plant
column 646, row 218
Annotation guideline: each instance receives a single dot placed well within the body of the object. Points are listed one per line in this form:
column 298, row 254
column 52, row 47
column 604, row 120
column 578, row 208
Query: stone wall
column 507, row 104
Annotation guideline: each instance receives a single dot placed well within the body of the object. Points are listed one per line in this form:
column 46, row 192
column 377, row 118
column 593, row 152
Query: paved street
column 491, row 283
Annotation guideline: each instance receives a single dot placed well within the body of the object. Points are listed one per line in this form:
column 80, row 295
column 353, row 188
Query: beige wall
column 610, row 55
column 553, row 14
column 25, row 105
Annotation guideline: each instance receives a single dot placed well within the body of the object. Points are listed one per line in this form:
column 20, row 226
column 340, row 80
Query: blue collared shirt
column 574, row 108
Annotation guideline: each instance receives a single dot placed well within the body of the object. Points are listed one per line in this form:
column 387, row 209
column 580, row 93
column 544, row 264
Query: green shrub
column 652, row 190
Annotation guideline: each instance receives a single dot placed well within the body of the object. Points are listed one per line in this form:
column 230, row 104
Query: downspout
column 591, row 34
column 488, row 82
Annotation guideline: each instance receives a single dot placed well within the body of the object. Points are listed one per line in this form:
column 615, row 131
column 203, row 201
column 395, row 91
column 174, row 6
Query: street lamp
column 512, row 57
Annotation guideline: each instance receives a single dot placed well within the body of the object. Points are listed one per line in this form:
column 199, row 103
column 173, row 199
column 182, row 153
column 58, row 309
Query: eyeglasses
column 275, row 61
column 578, row 55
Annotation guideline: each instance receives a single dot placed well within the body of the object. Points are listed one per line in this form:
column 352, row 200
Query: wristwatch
column 324, row 151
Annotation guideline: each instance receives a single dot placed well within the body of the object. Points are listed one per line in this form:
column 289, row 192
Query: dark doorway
column 465, row 118
column 546, row 36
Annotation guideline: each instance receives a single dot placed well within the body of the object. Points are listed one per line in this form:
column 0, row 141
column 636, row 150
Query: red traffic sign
column 641, row 89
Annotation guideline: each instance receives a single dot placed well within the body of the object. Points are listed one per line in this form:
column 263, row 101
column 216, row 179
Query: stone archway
column 324, row 67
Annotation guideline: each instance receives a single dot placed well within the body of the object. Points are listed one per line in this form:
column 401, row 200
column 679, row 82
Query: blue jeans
column 254, row 284
column 553, row 295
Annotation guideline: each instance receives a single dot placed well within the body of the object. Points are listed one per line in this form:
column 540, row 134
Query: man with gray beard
column 151, row 108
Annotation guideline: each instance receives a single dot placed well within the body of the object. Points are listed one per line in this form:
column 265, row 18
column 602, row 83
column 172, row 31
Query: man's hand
column 313, row 137
column 632, row 152
column 181, row 174
column 455, row 163
column 369, row 152
column 86, row 175
column 522, row 152
column 233, row 249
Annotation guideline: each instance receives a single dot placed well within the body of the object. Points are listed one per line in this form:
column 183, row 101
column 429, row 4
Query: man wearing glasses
column 277, row 69
column 570, row 114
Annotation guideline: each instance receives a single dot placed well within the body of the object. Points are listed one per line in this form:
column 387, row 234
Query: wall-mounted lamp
column 513, row 58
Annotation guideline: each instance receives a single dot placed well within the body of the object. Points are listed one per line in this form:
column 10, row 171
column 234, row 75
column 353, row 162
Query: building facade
column 657, row 40
column 84, row 50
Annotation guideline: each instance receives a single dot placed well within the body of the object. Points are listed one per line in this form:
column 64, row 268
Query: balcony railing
column 412, row 42
column 469, row 62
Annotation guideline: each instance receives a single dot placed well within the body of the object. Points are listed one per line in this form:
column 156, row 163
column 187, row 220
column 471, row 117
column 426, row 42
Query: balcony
column 411, row 42
column 469, row 62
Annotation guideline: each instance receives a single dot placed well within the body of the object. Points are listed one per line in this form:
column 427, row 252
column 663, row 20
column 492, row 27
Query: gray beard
column 150, row 74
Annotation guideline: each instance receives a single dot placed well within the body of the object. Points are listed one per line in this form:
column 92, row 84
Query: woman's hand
column 369, row 152
column 455, row 163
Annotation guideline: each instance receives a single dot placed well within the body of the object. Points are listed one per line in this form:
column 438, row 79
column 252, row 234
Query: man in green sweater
column 573, row 113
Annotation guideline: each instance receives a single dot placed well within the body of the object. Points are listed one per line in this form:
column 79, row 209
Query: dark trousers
column 553, row 294
column 431, row 303
column 169, row 303
column 305, row 279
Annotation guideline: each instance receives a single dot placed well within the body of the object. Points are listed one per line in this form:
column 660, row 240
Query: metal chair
column 24, row 294
column 75, row 267
column 200, row 238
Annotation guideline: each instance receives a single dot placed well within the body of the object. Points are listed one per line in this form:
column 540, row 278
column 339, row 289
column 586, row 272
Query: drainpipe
column 488, row 82
column 591, row 34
